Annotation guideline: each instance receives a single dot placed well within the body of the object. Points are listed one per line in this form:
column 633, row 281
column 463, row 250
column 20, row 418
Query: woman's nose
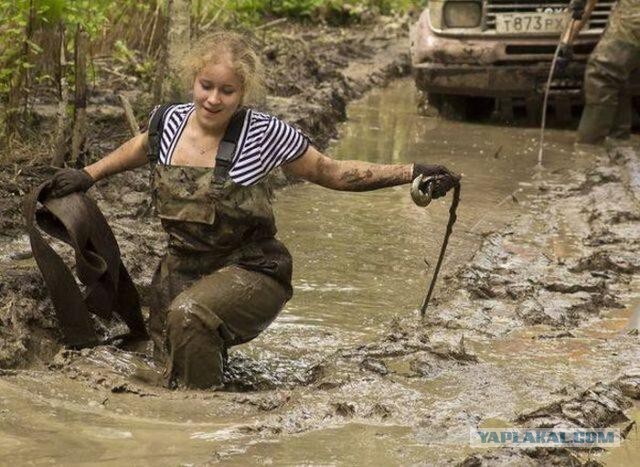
column 214, row 97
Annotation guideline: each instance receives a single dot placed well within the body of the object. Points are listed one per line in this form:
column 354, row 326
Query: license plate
column 536, row 23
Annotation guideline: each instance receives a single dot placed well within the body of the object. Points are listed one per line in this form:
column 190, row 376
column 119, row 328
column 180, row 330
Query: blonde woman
column 224, row 277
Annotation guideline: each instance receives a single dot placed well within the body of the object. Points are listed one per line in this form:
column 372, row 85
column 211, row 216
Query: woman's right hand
column 67, row 181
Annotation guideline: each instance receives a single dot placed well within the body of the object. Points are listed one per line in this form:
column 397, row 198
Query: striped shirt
column 265, row 143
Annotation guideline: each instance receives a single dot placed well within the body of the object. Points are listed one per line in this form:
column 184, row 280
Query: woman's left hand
column 444, row 179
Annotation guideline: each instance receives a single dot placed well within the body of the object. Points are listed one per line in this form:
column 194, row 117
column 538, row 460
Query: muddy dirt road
column 530, row 325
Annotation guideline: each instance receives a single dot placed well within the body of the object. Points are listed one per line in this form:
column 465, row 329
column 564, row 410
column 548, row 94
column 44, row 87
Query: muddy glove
column 565, row 55
column 66, row 181
column 445, row 179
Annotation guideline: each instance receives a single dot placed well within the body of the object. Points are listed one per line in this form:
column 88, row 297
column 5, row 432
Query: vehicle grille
column 598, row 18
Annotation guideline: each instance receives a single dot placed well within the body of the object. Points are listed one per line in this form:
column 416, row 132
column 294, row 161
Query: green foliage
column 12, row 40
column 134, row 63
column 17, row 53
column 89, row 14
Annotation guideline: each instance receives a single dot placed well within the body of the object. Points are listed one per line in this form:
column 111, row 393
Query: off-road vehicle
column 475, row 56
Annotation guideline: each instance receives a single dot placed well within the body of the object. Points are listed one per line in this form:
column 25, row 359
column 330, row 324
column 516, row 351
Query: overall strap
column 155, row 131
column 227, row 147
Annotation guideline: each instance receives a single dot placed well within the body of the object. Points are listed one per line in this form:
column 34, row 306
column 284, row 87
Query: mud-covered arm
column 578, row 25
column 347, row 175
column 129, row 155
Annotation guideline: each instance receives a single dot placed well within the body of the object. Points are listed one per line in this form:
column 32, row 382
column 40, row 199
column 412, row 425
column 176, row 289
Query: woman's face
column 217, row 94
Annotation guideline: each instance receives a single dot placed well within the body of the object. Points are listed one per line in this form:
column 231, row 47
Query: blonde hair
column 245, row 61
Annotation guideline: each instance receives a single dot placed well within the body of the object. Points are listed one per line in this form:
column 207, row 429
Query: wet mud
column 529, row 326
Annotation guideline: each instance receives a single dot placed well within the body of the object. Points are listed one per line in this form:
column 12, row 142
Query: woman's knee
column 185, row 312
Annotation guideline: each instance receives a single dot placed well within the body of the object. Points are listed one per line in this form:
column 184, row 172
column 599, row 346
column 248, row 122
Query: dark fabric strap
column 76, row 219
column 227, row 147
column 154, row 131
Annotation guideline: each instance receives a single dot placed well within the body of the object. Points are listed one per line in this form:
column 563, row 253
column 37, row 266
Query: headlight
column 462, row 14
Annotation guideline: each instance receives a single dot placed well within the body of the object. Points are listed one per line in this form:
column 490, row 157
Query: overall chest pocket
column 184, row 193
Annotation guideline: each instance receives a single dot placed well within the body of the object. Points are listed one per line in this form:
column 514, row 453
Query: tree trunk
column 17, row 103
column 27, row 56
column 154, row 25
column 80, row 105
column 163, row 57
column 60, row 141
column 178, row 45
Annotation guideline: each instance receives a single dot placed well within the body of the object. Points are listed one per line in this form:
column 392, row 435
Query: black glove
column 565, row 55
column 67, row 181
column 576, row 7
column 445, row 179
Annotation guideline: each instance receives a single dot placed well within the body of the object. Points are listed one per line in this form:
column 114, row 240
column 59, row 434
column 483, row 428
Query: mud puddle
column 347, row 374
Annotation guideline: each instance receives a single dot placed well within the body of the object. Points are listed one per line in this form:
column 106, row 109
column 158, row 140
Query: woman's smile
column 212, row 112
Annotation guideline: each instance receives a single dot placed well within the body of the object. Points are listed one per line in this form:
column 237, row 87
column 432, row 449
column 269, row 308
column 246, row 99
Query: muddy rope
column 452, row 220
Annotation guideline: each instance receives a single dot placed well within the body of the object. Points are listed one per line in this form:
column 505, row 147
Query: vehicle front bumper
column 495, row 81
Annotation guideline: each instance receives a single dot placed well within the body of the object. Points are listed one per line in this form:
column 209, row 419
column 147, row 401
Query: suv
column 472, row 57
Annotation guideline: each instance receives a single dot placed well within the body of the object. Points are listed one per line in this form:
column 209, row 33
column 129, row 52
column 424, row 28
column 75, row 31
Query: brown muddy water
column 359, row 260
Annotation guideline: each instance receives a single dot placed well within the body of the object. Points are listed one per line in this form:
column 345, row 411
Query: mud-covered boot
column 596, row 123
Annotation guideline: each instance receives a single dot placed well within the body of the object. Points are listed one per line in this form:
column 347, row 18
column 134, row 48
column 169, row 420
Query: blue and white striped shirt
column 266, row 142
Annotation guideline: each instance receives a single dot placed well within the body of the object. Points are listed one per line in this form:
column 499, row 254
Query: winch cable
column 564, row 38
column 452, row 220
column 543, row 123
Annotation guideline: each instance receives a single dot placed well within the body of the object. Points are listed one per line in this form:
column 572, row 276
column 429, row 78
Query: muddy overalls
column 224, row 278
column 607, row 110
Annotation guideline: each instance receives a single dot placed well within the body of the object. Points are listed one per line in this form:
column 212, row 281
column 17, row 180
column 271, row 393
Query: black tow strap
column 76, row 220
column 452, row 220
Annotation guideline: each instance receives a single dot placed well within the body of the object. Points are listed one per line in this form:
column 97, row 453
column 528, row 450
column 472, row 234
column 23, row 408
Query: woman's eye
column 228, row 91
column 205, row 86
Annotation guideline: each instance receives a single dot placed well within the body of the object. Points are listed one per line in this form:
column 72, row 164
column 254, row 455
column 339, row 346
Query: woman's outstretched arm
column 350, row 175
column 129, row 155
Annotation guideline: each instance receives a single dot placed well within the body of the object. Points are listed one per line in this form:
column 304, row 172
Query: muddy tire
column 454, row 107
